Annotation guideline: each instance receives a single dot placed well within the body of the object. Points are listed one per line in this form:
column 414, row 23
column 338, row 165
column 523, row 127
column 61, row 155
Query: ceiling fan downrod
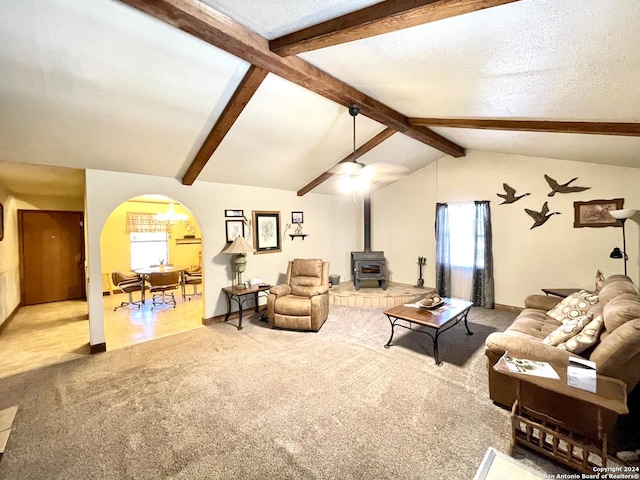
column 354, row 110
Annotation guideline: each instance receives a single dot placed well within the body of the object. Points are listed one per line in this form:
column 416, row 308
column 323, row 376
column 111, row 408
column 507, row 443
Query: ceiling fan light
column 361, row 184
column 345, row 184
column 348, row 168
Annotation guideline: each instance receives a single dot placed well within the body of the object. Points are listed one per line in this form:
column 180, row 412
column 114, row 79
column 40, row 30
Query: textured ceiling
column 96, row 84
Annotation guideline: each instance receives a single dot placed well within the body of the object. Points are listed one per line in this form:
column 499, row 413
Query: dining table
column 144, row 272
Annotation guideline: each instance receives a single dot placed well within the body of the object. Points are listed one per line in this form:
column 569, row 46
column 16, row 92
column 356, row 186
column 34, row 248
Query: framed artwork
column 297, row 217
column 595, row 213
column 234, row 213
column 266, row 232
column 1, row 222
column 234, row 228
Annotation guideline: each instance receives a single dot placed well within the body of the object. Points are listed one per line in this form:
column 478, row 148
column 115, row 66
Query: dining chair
column 127, row 284
column 161, row 287
column 193, row 276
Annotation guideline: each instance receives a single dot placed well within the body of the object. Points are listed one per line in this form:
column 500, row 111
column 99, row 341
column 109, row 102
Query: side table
column 560, row 292
column 241, row 296
column 551, row 436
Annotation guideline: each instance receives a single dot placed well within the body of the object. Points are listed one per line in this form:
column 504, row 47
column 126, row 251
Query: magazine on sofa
column 529, row 367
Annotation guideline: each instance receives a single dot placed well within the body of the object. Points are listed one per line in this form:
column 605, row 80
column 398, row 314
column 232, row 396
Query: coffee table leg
column 469, row 332
column 240, row 318
column 388, row 344
column 436, row 355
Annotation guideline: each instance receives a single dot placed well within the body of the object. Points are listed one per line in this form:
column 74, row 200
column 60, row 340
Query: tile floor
column 41, row 335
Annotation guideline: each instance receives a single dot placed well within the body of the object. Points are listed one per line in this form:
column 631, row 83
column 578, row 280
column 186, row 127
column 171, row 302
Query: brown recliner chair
column 302, row 303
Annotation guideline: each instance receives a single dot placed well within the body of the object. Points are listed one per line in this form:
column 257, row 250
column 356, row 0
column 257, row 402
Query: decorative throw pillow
column 587, row 337
column 567, row 330
column 574, row 306
column 599, row 280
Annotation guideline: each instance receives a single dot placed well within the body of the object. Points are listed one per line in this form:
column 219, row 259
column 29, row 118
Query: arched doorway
column 136, row 237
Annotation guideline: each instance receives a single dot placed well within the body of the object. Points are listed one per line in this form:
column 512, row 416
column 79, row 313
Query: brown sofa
column 302, row 302
column 616, row 353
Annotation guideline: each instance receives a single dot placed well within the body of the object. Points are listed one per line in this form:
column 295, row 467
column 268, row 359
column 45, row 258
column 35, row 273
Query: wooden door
column 51, row 255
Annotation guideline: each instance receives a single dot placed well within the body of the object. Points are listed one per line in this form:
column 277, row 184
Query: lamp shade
column 616, row 253
column 622, row 214
column 239, row 245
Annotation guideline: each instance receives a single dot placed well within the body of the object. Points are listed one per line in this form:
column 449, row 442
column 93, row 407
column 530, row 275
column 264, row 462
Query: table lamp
column 240, row 248
column 622, row 215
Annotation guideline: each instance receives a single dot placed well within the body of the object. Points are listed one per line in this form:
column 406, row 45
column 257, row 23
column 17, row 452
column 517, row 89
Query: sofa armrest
column 523, row 346
column 541, row 302
column 280, row 290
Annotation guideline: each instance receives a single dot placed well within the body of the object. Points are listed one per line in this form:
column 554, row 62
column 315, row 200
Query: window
column 148, row 248
column 462, row 236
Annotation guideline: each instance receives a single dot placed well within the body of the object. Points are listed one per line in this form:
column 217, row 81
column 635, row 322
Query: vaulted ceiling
column 101, row 84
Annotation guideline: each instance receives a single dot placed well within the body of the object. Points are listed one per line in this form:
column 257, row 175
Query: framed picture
column 266, row 232
column 297, row 217
column 1, row 222
column 234, row 213
column 235, row 228
column 596, row 213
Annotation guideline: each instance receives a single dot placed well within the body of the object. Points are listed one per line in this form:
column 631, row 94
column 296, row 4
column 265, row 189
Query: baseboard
column 9, row 318
column 234, row 315
column 98, row 348
column 507, row 308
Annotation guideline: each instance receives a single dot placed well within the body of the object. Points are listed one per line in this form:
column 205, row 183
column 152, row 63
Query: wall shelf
column 188, row 241
column 294, row 235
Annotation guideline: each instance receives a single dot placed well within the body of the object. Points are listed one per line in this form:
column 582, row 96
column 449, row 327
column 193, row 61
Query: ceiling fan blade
column 386, row 172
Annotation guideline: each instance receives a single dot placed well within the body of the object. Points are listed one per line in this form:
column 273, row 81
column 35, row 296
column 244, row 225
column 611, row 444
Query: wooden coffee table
column 441, row 319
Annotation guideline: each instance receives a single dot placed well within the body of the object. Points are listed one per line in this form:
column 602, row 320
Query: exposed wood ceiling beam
column 203, row 22
column 593, row 128
column 374, row 142
column 247, row 87
column 383, row 17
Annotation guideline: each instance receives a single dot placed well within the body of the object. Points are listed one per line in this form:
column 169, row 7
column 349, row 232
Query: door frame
column 21, row 213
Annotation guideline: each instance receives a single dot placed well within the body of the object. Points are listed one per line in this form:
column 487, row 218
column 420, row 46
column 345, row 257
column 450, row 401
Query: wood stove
column 368, row 265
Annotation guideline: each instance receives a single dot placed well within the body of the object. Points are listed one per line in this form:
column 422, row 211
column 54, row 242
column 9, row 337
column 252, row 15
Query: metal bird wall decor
column 510, row 196
column 540, row 217
column 564, row 188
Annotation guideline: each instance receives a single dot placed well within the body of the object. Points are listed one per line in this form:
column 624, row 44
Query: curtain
column 482, row 288
column 145, row 222
column 443, row 259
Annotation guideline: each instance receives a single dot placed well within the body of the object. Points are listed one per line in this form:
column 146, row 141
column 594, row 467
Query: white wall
column 553, row 255
column 9, row 265
column 330, row 222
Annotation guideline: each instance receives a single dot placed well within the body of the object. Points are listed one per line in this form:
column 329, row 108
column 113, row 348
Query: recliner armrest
column 280, row 290
column 319, row 290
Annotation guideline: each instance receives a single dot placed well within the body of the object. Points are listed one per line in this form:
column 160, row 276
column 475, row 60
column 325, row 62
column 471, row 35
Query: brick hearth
column 370, row 295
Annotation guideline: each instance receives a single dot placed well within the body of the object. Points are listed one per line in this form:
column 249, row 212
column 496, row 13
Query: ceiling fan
column 358, row 177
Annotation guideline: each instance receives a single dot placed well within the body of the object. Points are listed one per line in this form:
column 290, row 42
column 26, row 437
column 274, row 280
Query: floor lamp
column 622, row 215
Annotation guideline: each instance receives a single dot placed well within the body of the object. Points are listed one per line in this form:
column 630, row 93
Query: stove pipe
column 367, row 223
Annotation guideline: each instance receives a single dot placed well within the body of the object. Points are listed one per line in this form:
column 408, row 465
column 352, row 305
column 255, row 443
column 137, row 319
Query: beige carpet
column 217, row 403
